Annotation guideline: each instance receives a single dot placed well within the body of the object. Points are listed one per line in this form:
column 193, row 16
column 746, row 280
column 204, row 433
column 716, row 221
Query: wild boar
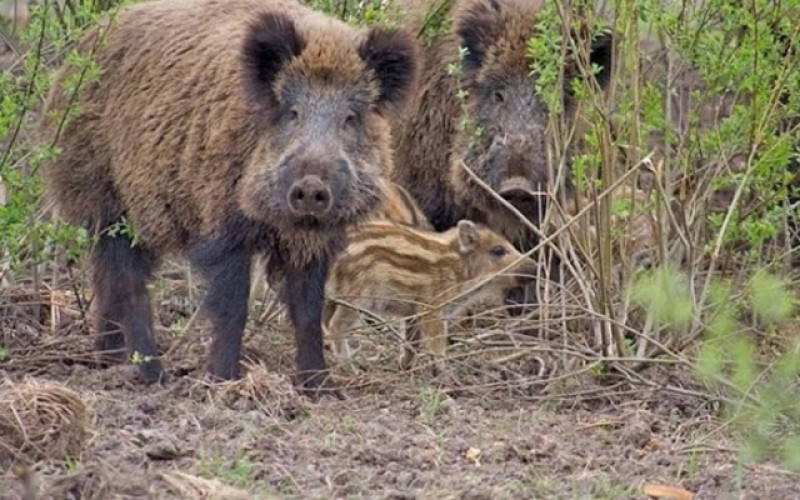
column 219, row 130
column 394, row 269
column 510, row 154
column 399, row 206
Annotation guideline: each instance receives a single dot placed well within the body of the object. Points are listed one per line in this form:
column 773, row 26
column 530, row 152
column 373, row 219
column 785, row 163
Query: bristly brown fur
column 201, row 121
column 104, row 146
column 399, row 206
column 429, row 147
column 395, row 269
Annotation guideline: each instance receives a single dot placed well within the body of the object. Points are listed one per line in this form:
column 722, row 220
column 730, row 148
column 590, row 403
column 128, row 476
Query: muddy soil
column 504, row 433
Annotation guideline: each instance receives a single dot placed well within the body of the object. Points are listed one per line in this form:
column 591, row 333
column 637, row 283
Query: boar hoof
column 313, row 385
column 406, row 359
column 445, row 375
column 222, row 372
column 151, row 371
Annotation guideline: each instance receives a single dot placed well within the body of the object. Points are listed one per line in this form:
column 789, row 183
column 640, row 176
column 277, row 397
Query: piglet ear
column 467, row 236
column 391, row 55
column 270, row 42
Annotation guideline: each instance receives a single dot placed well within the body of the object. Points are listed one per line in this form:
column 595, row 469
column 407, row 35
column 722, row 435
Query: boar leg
column 434, row 334
column 122, row 308
column 303, row 293
column 412, row 342
column 342, row 320
column 227, row 272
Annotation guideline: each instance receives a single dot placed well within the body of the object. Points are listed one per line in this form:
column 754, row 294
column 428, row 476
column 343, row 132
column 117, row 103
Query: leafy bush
column 29, row 239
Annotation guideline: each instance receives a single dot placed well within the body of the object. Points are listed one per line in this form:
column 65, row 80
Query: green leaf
column 771, row 300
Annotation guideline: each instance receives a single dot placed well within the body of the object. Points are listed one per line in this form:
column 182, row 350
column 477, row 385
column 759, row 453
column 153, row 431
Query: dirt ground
column 511, row 430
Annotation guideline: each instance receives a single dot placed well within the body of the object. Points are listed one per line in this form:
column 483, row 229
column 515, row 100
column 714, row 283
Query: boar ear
column 270, row 42
column 478, row 27
column 602, row 49
column 392, row 56
column 601, row 54
column 467, row 236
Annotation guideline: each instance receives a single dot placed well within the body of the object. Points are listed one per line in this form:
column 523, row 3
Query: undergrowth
column 701, row 117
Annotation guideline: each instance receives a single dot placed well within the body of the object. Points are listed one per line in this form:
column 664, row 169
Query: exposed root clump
column 263, row 390
column 40, row 420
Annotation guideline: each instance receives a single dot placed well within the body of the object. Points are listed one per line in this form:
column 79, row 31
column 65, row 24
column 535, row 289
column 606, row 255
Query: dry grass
column 189, row 486
column 259, row 389
column 41, row 420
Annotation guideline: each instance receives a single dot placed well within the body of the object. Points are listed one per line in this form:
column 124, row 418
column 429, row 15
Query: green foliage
column 762, row 393
column 359, row 12
column 432, row 405
column 27, row 236
column 544, row 54
column 466, row 123
column 123, row 227
column 72, row 466
column 769, row 298
column 437, row 21
column 740, row 50
column 238, row 473
column 137, row 358
column 664, row 293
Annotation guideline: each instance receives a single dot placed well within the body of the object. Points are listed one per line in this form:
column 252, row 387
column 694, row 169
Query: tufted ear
column 601, row 54
column 601, row 50
column 392, row 56
column 467, row 236
column 270, row 42
column 478, row 26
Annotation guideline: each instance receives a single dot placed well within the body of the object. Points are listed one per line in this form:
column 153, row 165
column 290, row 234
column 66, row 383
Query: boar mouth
column 307, row 222
column 518, row 190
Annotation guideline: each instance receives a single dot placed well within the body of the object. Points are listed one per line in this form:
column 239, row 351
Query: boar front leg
column 412, row 342
column 341, row 321
column 303, row 293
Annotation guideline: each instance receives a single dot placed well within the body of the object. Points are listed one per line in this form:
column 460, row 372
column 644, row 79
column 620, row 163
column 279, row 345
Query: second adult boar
column 510, row 154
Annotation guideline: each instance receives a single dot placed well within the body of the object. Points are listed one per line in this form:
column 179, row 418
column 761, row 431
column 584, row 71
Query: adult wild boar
column 221, row 129
column 510, row 155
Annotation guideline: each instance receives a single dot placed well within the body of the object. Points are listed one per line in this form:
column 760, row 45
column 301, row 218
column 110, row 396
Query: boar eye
column 350, row 120
column 498, row 251
column 499, row 97
column 293, row 115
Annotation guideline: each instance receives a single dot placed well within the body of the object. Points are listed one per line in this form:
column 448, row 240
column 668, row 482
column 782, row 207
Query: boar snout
column 517, row 164
column 310, row 196
column 517, row 189
column 525, row 273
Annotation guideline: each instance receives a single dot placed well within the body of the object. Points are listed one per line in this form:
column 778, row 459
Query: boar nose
column 525, row 276
column 525, row 272
column 309, row 196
